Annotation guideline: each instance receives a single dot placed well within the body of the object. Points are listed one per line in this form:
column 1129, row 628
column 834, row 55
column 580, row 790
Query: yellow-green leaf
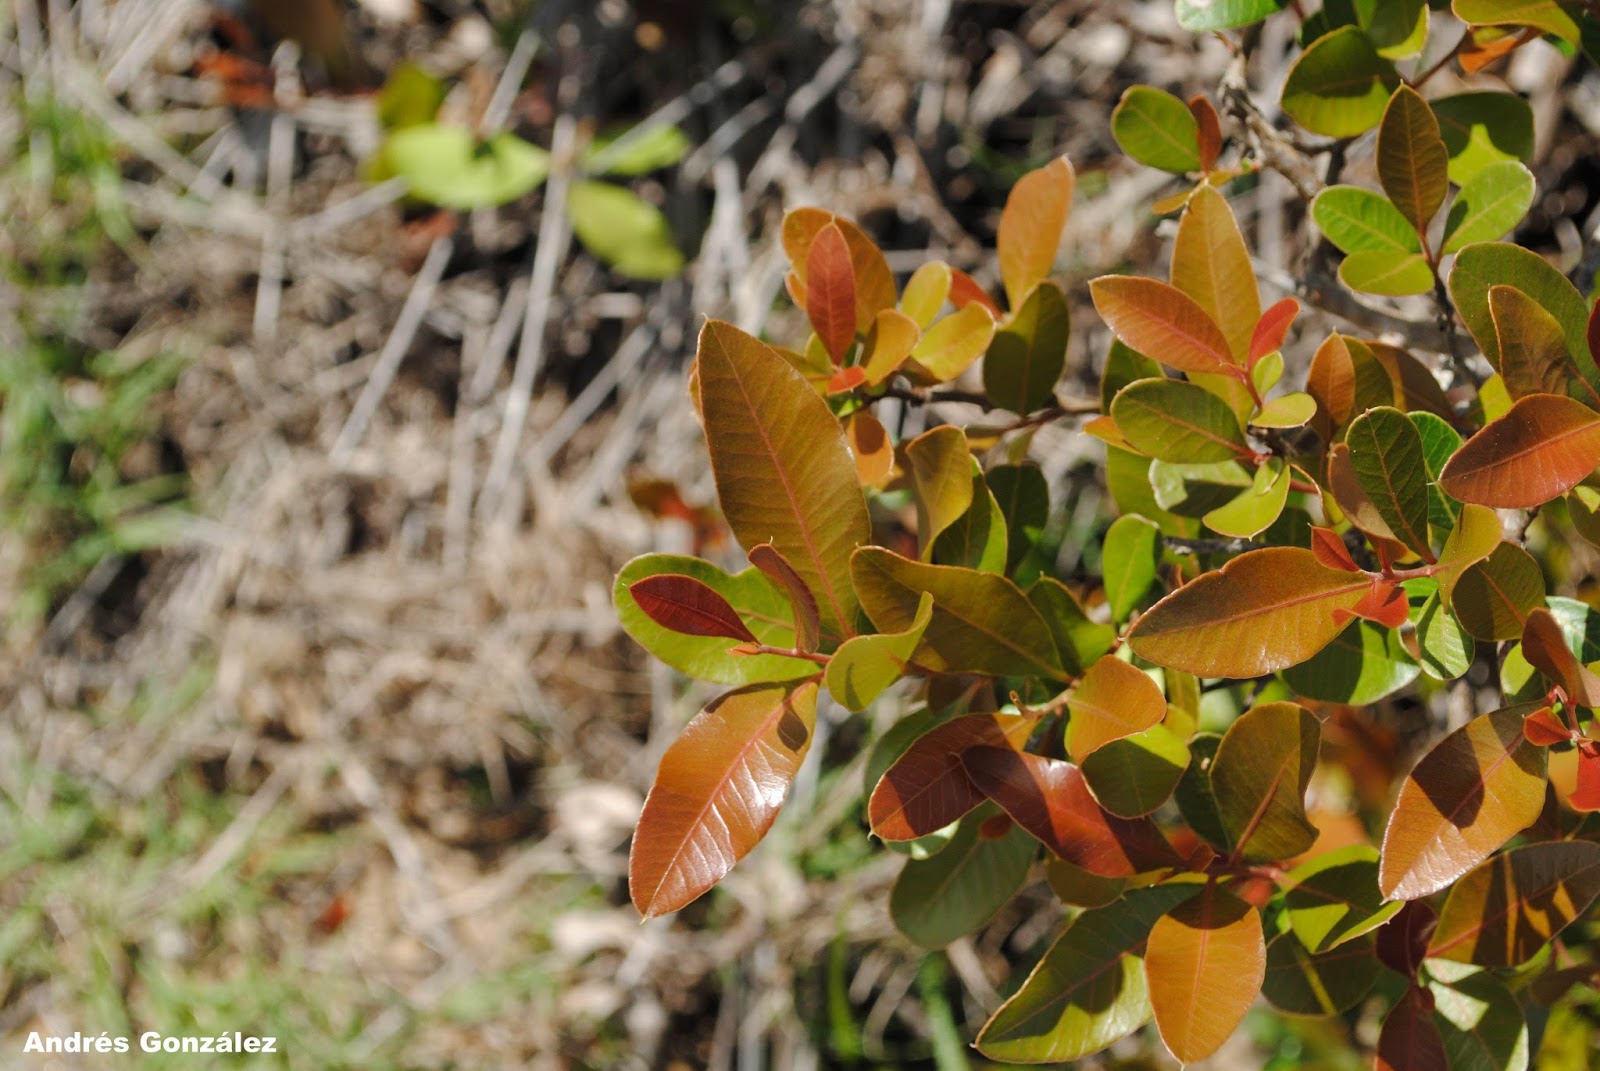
column 864, row 666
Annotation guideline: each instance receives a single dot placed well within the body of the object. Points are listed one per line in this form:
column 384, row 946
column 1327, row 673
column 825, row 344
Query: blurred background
column 342, row 356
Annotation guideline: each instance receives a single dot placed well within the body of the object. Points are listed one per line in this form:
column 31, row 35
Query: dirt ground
column 349, row 751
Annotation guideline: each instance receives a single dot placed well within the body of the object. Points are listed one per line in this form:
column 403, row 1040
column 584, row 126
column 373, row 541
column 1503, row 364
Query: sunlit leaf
column 870, row 446
column 1533, row 350
column 1482, row 265
column 1412, row 159
column 1211, row 264
column 1479, row 1019
column 952, row 344
column 1544, row 645
column 936, row 900
column 623, row 229
column 1172, row 420
column 864, row 666
column 926, row 292
column 1483, row 128
column 889, row 342
column 783, row 470
column 1156, row 129
column 1113, row 700
column 1390, row 274
column 1128, row 561
column 1200, row 16
column 1260, row 775
column 1132, row 776
column 1491, row 202
column 807, row 619
column 1162, row 321
column 977, row 538
column 926, row 788
column 831, row 291
column 717, row 792
column 444, row 164
column 1468, row 796
column 941, row 472
column 1031, row 225
column 1361, row 221
column 1503, row 912
column 1493, row 597
column 875, row 289
column 1439, row 443
column 1476, row 535
column 1580, row 627
column 1544, row 15
column 1205, row 962
column 1254, row 510
column 1363, row 664
column 1445, row 649
column 1334, row 898
column 1075, row 885
column 1339, row 86
column 1543, row 447
column 659, row 146
column 1079, row 641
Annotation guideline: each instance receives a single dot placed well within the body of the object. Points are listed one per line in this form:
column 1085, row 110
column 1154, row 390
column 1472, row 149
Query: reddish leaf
column 1272, row 328
column 683, row 604
column 1502, row 913
column 926, row 789
column 831, row 291
column 1264, row 611
column 1030, row 227
column 1544, row 645
column 1542, row 728
column 1403, row 940
column 1051, row 800
column 1345, row 487
column 1209, row 134
column 846, row 380
column 807, row 620
column 874, row 283
column 1586, row 796
column 1162, row 322
column 1113, row 700
column 1477, row 788
column 1331, row 551
column 1384, row 604
column 717, row 791
column 1545, row 445
column 964, row 291
column 1410, row 1039
column 1205, row 961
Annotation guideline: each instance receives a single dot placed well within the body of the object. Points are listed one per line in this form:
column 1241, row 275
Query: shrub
column 1282, row 559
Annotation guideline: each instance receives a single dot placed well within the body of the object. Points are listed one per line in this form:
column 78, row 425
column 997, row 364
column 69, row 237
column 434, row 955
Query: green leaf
column 1477, row 788
column 1491, row 202
column 941, row 473
column 1339, row 86
column 864, row 666
column 982, row 623
column 631, row 154
column 1078, row 640
column 445, row 165
column 1260, row 775
column 1493, row 597
column 410, row 97
column 1389, row 274
column 1502, row 913
column 1546, row 16
column 623, row 230
column 1290, row 411
column 1412, row 161
column 1398, row 28
column 1157, row 129
column 1360, row 221
column 1075, row 885
column 1195, row 490
column 936, row 900
column 1264, row 611
column 1201, row 16
column 1386, row 454
column 1171, row 420
column 784, row 472
column 1327, row 983
column 1133, row 776
column 1363, row 664
column 1027, row 355
column 1130, row 555
column 1483, row 264
column 1446, row 649
column 1439, row 443
column 1194, row 796
column 977, row 539
column 1481, row 128
column 1024, row 499
column 1089, row 989
column 1255, row 509
column 1334, row 898
column 1479, row 1019
column 1124, row 365
column 762, row 606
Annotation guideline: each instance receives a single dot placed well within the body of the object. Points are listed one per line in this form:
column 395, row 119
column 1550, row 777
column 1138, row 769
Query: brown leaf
column 1410, row 1039
column 1503, row 912
column 683, row 604
column 927, row 788
column 807, row 621
column 1545, row 647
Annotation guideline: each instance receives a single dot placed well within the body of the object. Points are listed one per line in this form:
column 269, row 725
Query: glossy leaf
column 926, row 788
column 1211, row 264
column 831, row 291
column 1128, row 560
column 717, row 792
column 1493, row 598
column 1079, row 641
column 1205, row 962
column 1480, row 1021
column 1334, row 898
column 1172, row 420
column 1031, row 225
column 1543, row 447
column 874, row 283
column 1162, row 321
column 1264, row 611
column 1409, row 1040
column 1113, row 700
column 755, row 600
column 807, row 619
column 1358, row 221
column 1260, row 775
column 784, row 473
column 1363, row 664
column 941, row 472
column 1089, row 990
column 1157, row 129
column 1134, row 775
column 1050, row 799
column 982, row 623
column 1027, row 355
column 952, row 344
column 1201, row 16
column 1412, row 159
column 864, row 666
column 1389, row 274
column 1468, row 796
column 623, row 229
column 938, row 899
column 1326, row 983
column 1483, row 264
column 1492, row 202
column 1339, row 86
column 1483, row 128
column 1533, row 349
column 1503, row 912
column 1386, row 455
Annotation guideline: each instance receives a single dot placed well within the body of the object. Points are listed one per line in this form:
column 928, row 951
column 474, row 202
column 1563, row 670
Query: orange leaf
column 874, row 283
column 964, row 291
column 1410, row 1039
column 1384, row 604
column 1544, row 645
column 1051, row 800
column 1273, row 328
column 718, row 790
column 1211, row 264
column 1502, row 913
column 1114, row 699
column 870, row 444
column 1477, row 788
column 685, row 605
column 847, row 379
column 1264, row 611
column 1545, row 445
column 1586, row 797
column 807, row 621
column 1162, row 322
column 1331, row 551
column 1205, row 961
column 927, row 789
column 831, row 291
column 1542, row 728
column 1031, row 225
column 1412, row 158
